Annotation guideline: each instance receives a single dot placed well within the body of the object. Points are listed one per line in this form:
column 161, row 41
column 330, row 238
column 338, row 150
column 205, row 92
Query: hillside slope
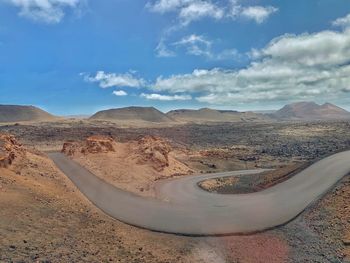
column 211, row 115
column 16, row 113
column 148, row 114
column 311, row 111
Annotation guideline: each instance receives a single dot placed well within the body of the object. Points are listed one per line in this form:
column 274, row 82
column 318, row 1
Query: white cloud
column 163, row 51
column 198, row 10
column 48, row 11
column 258, row 13
column 120, row 93
column 195, row 45
column 299, row 67
column 342, row 21
column 228, row 54
column 107, row 80
column 193, row 10
column 324, row 49
column 163, row 6
column 187, row 10
column 161, row 97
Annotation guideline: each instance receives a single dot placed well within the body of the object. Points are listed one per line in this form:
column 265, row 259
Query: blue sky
column 80, row 56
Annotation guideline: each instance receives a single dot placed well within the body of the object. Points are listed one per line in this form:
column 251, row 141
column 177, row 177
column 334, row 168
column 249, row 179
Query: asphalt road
column 186, row 209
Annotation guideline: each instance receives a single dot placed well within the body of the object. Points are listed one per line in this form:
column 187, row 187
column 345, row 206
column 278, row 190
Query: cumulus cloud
column 155, row 96
column 258, row 13
column 323, row 49
column 342, row 21
column 48, row 11
column 107, row 80
column 120, row 93
column 299, row 67
column 193, row 10
column 290, row 67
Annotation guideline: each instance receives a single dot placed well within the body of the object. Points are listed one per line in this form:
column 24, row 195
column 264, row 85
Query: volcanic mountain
column 16, row 113
column 145, row 114
column 211, row 115
column 311, row 111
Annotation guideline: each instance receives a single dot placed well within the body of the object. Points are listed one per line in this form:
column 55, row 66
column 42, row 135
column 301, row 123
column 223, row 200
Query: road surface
column 186, row 209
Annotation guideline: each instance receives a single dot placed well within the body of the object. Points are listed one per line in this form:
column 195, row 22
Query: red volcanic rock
column 10, row 148
column 69, row 148
column 93, row 144
column 99, row 144
column 154, row 150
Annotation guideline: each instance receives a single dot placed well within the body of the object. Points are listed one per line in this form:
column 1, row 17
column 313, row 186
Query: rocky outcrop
column 154, row 150
column 150, row 150
column 70, row 148
column 99, row 144
column 10, row 149
column 93, row 144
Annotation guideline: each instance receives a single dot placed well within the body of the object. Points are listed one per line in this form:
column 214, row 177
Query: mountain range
column 302, row 111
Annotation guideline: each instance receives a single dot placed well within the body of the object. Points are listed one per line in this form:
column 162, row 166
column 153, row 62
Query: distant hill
column 211, row 115
column 16, row 113
column 311, row 111
column 148, row 114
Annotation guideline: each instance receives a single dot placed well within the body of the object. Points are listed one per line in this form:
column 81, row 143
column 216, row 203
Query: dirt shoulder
column 251, row 183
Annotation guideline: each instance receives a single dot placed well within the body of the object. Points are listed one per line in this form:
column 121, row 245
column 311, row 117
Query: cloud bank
column 290, row 67
column 298, row 67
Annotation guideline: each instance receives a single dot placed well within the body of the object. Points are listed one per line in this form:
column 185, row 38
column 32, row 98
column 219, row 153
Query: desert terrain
column 38, row 202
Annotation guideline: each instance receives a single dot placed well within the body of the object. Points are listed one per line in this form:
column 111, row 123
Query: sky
column 80, row 56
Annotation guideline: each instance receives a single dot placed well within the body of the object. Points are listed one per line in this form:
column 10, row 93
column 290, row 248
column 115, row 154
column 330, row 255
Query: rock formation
column 93, row 144
column 154, row 150
column 10, row 149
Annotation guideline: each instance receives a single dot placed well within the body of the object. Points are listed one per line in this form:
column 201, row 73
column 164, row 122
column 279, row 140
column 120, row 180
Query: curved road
column 186, row 209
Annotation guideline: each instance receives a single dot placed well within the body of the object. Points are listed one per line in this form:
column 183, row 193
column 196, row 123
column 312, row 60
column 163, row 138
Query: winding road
column 186, row 209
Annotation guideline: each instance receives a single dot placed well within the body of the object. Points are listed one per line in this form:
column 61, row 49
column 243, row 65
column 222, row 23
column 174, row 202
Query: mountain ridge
column 133, row 113
column 309, row 110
